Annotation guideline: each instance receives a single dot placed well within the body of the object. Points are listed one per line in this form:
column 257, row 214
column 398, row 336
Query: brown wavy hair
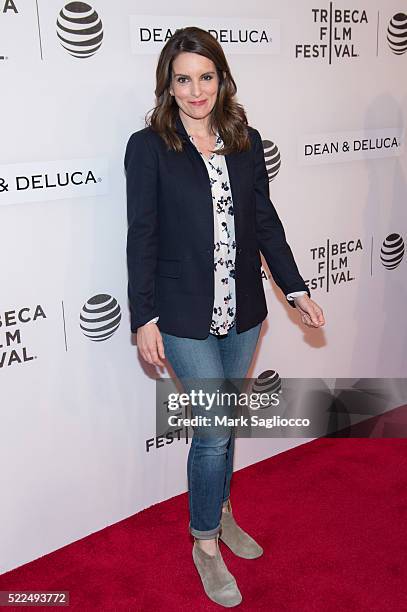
column 228, row 117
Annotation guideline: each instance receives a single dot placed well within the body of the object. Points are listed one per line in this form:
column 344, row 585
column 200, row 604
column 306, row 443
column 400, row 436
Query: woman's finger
column 306, row 319
column 160, row 346
column 146, row 356
column 152, row 354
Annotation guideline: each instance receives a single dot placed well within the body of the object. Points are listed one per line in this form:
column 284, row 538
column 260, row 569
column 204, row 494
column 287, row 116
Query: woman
column 198, row 212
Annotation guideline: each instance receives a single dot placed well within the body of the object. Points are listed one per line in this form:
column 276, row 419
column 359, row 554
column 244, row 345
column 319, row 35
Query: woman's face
column 194, row 84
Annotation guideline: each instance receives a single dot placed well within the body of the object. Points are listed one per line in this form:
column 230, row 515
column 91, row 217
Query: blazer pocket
column 169, row 267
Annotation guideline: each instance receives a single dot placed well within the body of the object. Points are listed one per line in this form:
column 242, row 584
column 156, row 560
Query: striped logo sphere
column 100, row 317
column 268, row 382
column 392, row 251
column 79, row 29
column 272, row 158
column 397, row 33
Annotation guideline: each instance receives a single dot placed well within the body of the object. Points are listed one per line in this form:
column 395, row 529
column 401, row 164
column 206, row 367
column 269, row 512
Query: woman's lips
column 198, row 103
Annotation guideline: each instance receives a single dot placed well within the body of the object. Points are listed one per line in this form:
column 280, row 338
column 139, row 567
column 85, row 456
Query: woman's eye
column 182, row 80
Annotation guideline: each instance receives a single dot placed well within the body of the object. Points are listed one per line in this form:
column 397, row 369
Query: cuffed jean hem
column 204, row 535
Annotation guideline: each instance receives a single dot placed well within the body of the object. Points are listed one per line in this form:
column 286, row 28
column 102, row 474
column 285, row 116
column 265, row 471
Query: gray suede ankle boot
column 238, row 540
column 219, row 584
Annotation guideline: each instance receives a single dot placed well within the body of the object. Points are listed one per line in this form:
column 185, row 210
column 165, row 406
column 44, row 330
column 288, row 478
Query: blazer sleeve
column 270, row 232
column 142, row 236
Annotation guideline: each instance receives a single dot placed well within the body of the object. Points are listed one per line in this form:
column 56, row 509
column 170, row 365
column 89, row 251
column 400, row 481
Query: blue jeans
column 210, row 459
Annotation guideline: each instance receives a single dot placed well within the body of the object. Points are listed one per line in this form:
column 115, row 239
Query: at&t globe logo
column 79, row 29
column 268, row 382
column 100, row 317
column 392, row 251
column 397, row 33
column 272, row 158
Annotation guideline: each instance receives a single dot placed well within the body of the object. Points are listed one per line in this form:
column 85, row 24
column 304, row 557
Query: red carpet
column 331, row 516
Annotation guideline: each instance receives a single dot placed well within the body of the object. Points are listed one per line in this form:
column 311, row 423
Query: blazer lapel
column 232, row 163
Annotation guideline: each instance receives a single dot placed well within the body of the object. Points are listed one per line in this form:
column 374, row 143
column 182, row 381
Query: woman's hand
column 311, row 313
column 150, row 344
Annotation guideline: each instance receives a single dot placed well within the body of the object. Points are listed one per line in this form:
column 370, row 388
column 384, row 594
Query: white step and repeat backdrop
column 324, row 83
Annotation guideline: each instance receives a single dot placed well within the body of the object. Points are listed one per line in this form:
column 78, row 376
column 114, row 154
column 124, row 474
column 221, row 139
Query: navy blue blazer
column 170, row 235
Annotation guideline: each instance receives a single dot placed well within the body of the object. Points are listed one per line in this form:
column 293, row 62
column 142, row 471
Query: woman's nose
column 196, row 88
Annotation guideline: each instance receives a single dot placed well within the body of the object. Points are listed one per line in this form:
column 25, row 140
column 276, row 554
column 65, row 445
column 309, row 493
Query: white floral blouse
column 224, row 307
